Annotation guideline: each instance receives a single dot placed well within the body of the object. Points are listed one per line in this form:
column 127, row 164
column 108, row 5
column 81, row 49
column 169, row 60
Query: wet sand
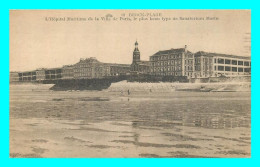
column 144, row 124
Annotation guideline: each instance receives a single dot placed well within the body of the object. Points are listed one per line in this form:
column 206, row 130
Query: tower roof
column 136, row 47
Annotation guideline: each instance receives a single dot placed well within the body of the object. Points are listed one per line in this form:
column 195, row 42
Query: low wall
column 124, row 86
column 221, row 79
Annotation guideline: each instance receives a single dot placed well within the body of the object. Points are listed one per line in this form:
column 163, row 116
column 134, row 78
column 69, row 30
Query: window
column 234, row 69
column 247, row 69
column 227, row 68
column 240, row 69
column 221, row 61
column 234, row 62
column 246, row 63
column 227, row 61
column 220, row 68
column 240, row 62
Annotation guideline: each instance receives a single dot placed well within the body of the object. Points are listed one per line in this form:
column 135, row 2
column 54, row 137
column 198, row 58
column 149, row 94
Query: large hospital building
column 173, row 62
column 181, row 62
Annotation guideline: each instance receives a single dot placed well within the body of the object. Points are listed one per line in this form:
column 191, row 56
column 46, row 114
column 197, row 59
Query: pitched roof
column 115, row 64
column 142, row 62
column 202, row 53
column 179, row 50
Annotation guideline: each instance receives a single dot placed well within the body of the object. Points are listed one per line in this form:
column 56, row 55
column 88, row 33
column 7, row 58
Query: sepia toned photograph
column 130, row 84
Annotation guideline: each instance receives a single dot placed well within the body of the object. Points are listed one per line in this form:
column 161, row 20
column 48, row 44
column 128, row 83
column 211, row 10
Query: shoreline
column 124, row 86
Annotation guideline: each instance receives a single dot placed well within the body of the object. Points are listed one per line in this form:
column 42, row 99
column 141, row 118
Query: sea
column 145, row 124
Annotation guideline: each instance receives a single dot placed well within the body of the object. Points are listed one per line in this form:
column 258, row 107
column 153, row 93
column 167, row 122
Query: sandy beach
column 46, row 123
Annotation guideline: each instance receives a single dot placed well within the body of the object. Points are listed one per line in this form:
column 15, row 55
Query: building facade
column 88, row 68
column 40, row 74
column 92, row 68
column 215, row 65
column 67, row 72
column 173, row 62
column 53, row 73
column 14, row 77
column 27, row 76
column 138, row 66
column 203, row 65
column 115, row 69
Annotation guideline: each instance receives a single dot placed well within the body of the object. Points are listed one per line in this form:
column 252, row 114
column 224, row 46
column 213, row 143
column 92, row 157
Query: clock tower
column 136, row 53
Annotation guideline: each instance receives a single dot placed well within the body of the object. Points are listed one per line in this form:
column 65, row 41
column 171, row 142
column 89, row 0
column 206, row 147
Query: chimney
column 185, row 48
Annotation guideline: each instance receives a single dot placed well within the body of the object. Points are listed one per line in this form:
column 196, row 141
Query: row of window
column 165, row 57
column 83, row 74
column 172, row 68
column 188, row 74
column 101, row 69
column 188, row 68
column 169, row 73
column 233, row 69
column 67, row 70
column 27, row 78
column 83, row 69
column 67, row 73
column 52, row 76
column 178, row 62
column 204, row 60
column 27, row 74
column 233, row 62
column 84, row 65
column 47, row 72
column 205, row 67
column 189, row 61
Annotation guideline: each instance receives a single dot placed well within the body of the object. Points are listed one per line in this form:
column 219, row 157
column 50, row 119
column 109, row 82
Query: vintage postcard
column 130, row 83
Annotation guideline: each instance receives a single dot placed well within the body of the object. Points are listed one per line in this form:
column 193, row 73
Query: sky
column 38, row 42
